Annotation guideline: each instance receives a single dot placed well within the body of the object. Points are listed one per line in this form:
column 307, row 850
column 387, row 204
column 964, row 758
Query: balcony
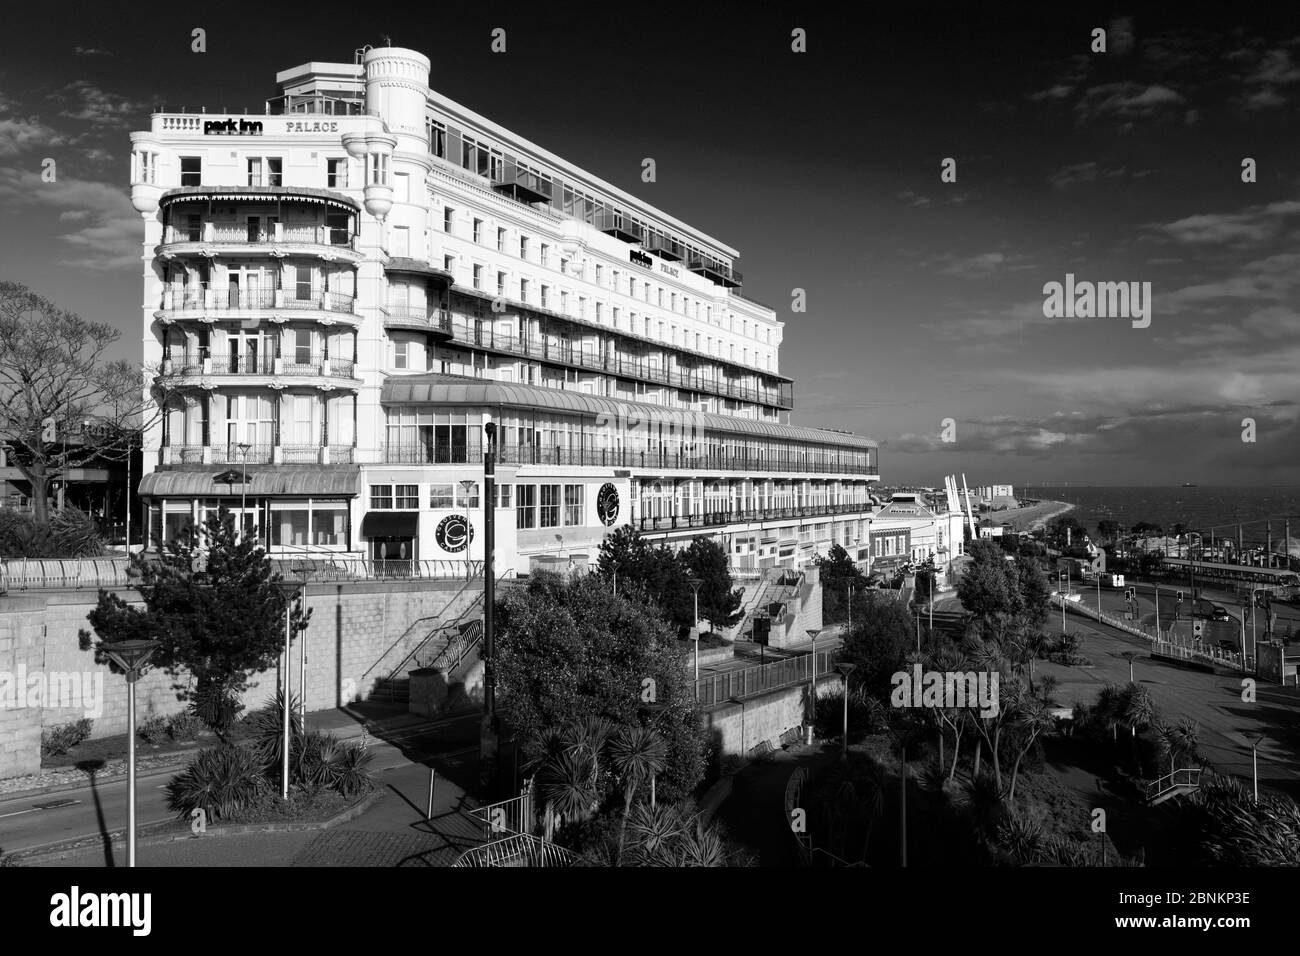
column 665, row 247
column 419, row 319
column 421, row 453
column 714, row 518
column 523, row 186
column 263, row 454
column 213, row 238
column 202, row 302
column 200, row 365
column 716, row 272
column 565, row 353
column 617, row 225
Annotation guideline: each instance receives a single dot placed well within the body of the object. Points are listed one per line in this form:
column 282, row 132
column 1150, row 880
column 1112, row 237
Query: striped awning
column 266, row 193
column 297, row 481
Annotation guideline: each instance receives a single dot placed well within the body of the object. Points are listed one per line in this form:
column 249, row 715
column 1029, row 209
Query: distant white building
column 906, row 530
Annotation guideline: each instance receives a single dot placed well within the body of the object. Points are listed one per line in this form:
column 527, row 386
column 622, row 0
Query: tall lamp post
column 845, row 670
column 1254, row 740
column 489, row 731
column 303, row 570
column 695, row 584
column 812, row 683
column 1061, row 581
column 1129, row 656
column 131, row 656
column 288, row 589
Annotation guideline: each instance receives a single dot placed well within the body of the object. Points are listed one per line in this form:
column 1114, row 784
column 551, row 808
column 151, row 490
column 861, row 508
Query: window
column 523, row 290
column 549, row 516
column 599, row 311
column 523, row 247
column 448, row 263
column 442, row 496
column 336, row 173
column 546, row 255
column 501, row 283
column 408, row 497
column 265, row 171
column 478, row 230
column 378, row 169
column 329, row 522
column 448, row 217
column 302, row 347
column 501, row 240
column 438, row 139
column 573, row 504
column 381, row 497
column 339, row 228
column 503, row 495
column 191, row 171
column 478, row 276
column 467, row 498
column 600, row 273
column 546, row 290
column 400, row 354
column 525, row 506
column 193, row 227
column 564, row 302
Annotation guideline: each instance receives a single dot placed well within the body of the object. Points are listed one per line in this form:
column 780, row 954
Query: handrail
column 519, row 849
column 1185, row 777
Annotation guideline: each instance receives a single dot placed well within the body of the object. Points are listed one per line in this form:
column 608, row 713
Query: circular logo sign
column 607, row 504
column 454, row 533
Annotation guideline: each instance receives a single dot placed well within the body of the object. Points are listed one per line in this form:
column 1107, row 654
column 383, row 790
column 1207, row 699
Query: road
column 31, row 821
column 1214, row 701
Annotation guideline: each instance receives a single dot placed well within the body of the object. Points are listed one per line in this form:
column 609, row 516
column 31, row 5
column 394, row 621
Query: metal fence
column 745, row 682
column 32, row 574
column 1194, row 650
column 519, row 849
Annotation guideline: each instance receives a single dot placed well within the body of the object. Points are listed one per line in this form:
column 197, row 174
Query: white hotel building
column 340, row 292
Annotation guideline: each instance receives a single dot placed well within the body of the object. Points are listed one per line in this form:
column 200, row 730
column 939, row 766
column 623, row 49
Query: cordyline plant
column 215, row 605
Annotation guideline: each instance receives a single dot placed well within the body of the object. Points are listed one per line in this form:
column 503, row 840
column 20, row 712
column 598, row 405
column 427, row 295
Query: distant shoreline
column 1032, row 517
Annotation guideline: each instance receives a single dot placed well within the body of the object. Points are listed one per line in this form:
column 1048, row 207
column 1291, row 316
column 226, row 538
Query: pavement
column 392, row 832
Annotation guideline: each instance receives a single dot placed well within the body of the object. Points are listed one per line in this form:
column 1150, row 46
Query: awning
column 300, row 481
column 265, row 193
column 390, row 524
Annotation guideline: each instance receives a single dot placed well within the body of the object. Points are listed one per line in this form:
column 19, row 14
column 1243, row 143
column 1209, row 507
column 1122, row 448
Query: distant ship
column 1188, row 484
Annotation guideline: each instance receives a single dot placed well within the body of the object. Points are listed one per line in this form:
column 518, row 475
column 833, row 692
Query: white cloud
column 109, row 230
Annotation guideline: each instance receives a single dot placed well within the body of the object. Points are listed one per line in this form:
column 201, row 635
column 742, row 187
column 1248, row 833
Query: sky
column 924, row 325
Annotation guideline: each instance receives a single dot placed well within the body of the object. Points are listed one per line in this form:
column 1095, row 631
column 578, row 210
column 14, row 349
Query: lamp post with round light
column 131, row 656
column 243, row 487
column 288, row 589
column 696, row 584
column 812, row 683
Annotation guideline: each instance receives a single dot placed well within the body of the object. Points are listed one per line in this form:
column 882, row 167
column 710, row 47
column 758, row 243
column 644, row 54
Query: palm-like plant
column 1139, row 711
column 1048, row 686
column 566, row 783
column 637, row 753
column 701, row 845
column 654, row 830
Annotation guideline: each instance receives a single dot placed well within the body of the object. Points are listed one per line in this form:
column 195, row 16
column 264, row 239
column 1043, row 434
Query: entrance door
column 393, row 555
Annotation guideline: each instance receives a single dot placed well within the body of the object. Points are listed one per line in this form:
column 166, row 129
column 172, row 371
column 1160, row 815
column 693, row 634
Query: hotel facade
column 340, row 292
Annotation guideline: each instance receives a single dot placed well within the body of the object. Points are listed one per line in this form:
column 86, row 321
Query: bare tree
column 62, row 404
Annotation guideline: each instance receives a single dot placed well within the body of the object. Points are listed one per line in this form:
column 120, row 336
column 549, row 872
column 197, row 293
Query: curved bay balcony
column 278, row 305
column 275, row 240
column 217, row 369
column 268, row 454
column 419, row 319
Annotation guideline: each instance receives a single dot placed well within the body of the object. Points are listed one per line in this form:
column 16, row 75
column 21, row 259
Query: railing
column 258, row 454
column 715, row 271
column 219, row 364
column 232, row 234
column 609, row 221
column 750, row 681
column 514, row 816
column 1170, row 782
column 513, row 176
column 716, row 518
column 519, row 849
column 225, row 300
column 1193, row 651
column 439, row 319
column 472, row 453
column 234, row 455
column 34, row 574
column 548, row 350
column 337, row 567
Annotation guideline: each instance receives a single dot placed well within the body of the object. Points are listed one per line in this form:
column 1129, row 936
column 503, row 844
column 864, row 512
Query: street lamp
column 1060, row 580
column 304, row 571
column 489, row 731
column 1254, row 739
column 812, row 683
column 1129, row 656
column 845, row 670
column 243, row 488
column 131, row 656
column 614, row 565
column 288, row 589
column 695, row 584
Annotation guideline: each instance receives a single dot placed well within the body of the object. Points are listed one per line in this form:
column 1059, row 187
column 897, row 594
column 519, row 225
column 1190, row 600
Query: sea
column 1201, row 508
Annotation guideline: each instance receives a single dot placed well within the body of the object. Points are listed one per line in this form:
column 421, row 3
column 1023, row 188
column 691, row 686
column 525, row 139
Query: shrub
column 222, row 781
column 58, row 740
column 184, row 726
column 154, row 729
column 75, row 534
column 70, row 533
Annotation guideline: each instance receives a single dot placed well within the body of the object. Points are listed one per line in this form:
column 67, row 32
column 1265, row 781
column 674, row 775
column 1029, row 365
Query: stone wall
column 360, row 632
column 763, row 718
